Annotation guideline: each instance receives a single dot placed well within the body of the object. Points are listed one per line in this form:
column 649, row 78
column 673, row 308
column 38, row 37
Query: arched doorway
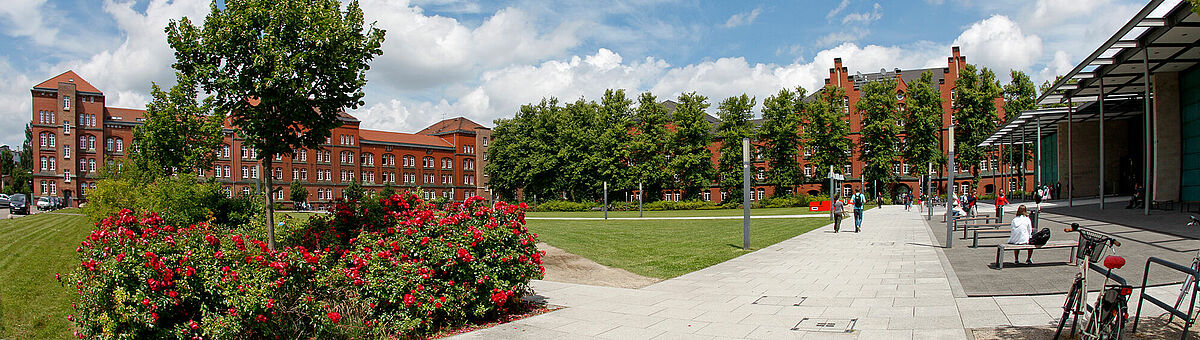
column 67, row 197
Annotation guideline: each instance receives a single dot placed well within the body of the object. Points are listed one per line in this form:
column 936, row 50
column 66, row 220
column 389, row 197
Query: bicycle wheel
column 1115, row 310
column 1068, row 307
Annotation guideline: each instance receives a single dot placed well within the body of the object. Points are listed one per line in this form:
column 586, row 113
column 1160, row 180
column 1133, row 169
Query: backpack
column 1040, row 238
column 858, row 201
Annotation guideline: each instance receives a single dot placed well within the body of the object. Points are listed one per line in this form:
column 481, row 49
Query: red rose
column 334, row 317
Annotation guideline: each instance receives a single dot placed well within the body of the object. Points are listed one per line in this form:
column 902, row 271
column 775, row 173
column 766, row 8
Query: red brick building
column 993, row 176
column 75, row 134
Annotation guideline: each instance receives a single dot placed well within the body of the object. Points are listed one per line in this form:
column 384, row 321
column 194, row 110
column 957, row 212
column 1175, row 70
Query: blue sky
column 483, row 59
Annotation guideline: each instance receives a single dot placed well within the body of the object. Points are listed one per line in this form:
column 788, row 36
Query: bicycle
column 1106, row 318
column 1190, row 281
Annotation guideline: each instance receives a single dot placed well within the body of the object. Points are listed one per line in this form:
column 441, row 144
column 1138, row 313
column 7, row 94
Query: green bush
column 180, row 199
column 566, row 206
column 787, row 201
column 684, row 205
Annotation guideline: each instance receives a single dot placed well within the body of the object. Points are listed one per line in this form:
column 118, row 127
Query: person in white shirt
column 1022, row 229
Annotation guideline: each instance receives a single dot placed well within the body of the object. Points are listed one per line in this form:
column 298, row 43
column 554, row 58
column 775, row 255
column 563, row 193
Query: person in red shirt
column 1000, row 203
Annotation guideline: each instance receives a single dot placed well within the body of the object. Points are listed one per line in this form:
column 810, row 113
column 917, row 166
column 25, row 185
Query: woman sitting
column 1022, row 229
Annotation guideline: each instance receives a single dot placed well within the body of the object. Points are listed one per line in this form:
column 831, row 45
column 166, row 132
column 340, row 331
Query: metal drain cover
column 779, row 300
column 882, row 243
column 826, row 325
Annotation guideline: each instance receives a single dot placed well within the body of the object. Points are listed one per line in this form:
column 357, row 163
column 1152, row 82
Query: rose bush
column 391, row 266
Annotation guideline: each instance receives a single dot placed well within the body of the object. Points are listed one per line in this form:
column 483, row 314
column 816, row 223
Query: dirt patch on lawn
column 1148, row 328
column 562, row 266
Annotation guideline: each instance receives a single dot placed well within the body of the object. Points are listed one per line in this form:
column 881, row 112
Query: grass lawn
column 32, row 303
column 666, row 249
column 679, row 213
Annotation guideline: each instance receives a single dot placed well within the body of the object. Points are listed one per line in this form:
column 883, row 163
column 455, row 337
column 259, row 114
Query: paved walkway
column 888, row 282
column 826, row 215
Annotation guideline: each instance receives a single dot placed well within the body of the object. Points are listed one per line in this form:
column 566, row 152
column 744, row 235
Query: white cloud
column 999, row 43
column 423, row 51
column 1060, row 64
column 744, row 18
column 837, row 9
column 500, row 93
column 864, row 18
column 25, row 19
column 18, row 104
column 142, row 57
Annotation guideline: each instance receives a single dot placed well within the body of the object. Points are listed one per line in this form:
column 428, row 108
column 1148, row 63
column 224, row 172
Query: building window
column 45, row 164
column 427, row 162
column 120, row 145
column 245, row 191
column 91, row 143
column 66, row 152
column 51, row 137
column 245, row 173
column 807, row 170
column 707, row 196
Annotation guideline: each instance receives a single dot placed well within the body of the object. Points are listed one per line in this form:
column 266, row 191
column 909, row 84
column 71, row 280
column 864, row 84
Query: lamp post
column 746, row 193
column 950, row 190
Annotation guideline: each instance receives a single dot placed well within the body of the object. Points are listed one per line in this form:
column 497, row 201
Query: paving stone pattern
column 888, row 282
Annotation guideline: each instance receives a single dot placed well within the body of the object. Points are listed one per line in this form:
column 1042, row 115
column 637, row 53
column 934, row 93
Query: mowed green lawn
column 666, row 248
column 34, row 305
column 680, row 213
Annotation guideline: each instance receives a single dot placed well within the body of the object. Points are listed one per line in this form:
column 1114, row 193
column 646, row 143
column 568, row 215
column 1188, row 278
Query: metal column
column 1101, row 143
column 1147, row 157
column 1070, row 157
column 1037, row 156
column 746, row 193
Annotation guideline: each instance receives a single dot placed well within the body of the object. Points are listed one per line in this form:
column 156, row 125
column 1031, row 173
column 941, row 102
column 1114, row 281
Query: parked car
column 44, row 203
column 17, row 204
column 4, row 200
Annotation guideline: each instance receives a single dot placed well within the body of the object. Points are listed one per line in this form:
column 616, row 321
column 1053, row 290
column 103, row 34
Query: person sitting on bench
column 1022, row 229
column 1138, row 198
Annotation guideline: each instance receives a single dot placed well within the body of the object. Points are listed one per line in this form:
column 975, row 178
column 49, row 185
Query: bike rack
column 1186, row 316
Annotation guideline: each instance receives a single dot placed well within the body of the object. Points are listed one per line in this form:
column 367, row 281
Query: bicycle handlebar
column 1076, row 228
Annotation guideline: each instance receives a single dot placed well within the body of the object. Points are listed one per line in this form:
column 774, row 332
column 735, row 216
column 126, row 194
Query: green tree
column 974, row 115
column 879, row 135
column 611, row 148
column 826, row 131
column 299, row 193
column 1019, row 95
column 7, row 165
column 283, row 69
column 387, row 191
column 780, row 137
column 353, row 191
column 648, row 146
column 522, row 154
column 691, row 160
column 23, row 174
column 735, row 114
column 922, row 126
column 179, row 134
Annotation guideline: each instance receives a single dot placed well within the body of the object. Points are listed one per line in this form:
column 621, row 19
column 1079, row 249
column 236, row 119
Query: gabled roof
column 68, row 77
column 451, row 125
column 124, row 115
column 402, row 139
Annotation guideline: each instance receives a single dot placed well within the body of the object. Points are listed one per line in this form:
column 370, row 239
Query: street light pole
column 746, row 193
column 950, row 190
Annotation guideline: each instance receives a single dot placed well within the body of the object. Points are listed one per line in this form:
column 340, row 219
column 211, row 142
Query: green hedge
column 566, row 206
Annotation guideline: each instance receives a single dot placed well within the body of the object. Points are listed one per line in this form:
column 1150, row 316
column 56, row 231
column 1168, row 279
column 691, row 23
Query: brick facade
column 75, row 134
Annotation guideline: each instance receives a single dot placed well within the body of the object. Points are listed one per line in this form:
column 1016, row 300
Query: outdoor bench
column 983, row 226
column 977, row 217
column 958, row 222
column 1074, row 245
column 1187, row 206
column 1162, row 205
column 975, row 236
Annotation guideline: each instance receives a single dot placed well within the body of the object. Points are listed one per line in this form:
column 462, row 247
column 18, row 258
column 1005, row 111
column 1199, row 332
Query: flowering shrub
column 388, row 266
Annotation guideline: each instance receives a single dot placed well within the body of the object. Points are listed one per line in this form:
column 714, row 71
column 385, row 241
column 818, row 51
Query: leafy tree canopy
column 974, row 115
column 827, row 131
column 922, row 124
column 879, row 108
column 691, row 160
column 179, row 133
column 735, row 114
column 780, row 136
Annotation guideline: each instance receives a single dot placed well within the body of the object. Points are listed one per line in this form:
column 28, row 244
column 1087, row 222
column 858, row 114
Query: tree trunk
column 269, row 171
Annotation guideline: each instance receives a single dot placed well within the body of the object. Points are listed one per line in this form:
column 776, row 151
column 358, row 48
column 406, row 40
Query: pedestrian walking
column 860, row 203
column 839, row 212
column 907, row 201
